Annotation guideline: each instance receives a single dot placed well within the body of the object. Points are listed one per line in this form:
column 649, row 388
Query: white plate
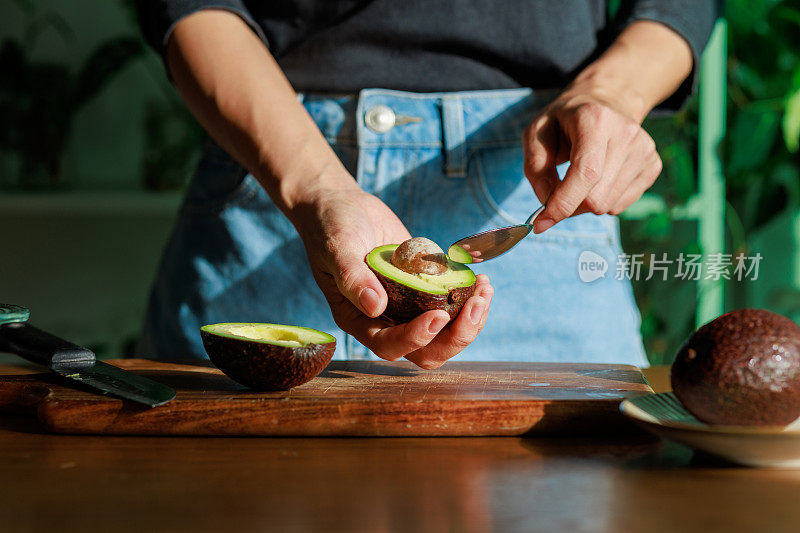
column 663, row 414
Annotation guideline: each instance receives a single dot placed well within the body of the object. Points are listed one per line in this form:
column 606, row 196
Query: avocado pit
column 420, row 256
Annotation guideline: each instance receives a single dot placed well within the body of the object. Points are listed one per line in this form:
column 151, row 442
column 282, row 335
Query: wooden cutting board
column 349, row 398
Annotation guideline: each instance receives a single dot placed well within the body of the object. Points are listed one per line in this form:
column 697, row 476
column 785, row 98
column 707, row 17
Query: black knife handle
column 38, row 346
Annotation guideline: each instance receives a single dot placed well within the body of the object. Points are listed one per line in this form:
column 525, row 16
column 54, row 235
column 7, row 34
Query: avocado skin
column 727, row 373
column 262, row 366
column 406, row 303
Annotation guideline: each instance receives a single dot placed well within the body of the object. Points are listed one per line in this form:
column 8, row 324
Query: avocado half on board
column 428, row 280
column 267, row 356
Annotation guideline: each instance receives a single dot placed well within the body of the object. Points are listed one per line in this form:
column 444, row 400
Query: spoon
column 490, row 244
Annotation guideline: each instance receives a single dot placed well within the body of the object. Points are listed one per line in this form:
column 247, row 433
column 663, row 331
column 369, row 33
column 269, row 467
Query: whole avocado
column 742, row 368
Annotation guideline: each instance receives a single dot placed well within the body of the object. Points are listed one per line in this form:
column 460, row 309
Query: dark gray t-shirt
column 343, row 46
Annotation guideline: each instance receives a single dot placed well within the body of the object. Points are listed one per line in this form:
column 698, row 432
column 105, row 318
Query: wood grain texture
column 658, row 377
column 80, row 483
column 350, row 398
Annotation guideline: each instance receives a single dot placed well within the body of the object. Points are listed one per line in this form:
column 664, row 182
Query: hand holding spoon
column 490, row 244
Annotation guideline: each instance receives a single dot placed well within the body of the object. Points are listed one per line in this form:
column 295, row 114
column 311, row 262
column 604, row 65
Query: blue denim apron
column 448, row 165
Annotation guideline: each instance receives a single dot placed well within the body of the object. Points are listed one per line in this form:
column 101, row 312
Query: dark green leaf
column 787, row 175
column 47, row 21
column 657, row 226
column 108, row 59
column 791, row 122
column 680, row 165
column 752, row 136
column 26, row 6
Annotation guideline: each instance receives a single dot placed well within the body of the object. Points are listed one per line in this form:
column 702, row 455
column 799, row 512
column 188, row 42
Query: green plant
column 172, row 137
column 761, row 152
column 39, row 99
column 760, row 159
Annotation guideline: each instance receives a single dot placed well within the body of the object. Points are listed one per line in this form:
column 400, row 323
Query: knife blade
column 78, row 364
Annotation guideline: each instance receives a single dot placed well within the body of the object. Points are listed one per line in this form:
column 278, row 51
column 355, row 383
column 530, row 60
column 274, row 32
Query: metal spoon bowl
column 490, row 244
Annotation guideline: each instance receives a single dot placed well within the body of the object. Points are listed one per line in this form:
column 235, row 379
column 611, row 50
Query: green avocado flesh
column 457, row 253
column 279, row 335
column 457, row 275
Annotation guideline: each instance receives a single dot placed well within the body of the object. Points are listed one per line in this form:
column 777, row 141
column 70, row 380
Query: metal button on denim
column 380, row 118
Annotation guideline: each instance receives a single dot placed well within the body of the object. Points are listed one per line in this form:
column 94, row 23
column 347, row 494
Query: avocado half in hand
column 419, row 277
column 267, row 356
column 741, row 369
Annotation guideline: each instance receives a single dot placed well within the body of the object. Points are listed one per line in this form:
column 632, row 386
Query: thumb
column 359, row 285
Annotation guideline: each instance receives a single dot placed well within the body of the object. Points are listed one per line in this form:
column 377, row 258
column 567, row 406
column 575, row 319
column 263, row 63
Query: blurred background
column 96, row 146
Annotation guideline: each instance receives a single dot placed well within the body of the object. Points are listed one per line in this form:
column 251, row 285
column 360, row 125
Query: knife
column 74, row 362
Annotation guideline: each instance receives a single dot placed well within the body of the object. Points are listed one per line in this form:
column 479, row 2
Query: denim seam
column 430, row 144
column 408, row 204
column 464, row 95
column 473, row 187
column 453, row 137
column 481, row 179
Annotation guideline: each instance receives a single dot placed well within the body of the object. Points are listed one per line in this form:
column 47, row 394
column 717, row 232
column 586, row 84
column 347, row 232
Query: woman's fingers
column 610, row 155
column 614, row 184
column 459, row 333
column 391, row 342
column 359, row 284
column 619, row 171
column 637, row 173
column 394, row 342
column 541, row 146
column 588, row 133
column 429, row 339
column 643, row 181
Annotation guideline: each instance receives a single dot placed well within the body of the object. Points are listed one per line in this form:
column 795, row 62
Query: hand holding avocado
column 339, row 229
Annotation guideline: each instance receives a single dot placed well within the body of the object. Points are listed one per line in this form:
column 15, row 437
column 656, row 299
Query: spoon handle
column 533, row 216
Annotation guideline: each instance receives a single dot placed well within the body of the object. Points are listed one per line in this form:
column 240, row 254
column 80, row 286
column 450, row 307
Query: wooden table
column 86, row 483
